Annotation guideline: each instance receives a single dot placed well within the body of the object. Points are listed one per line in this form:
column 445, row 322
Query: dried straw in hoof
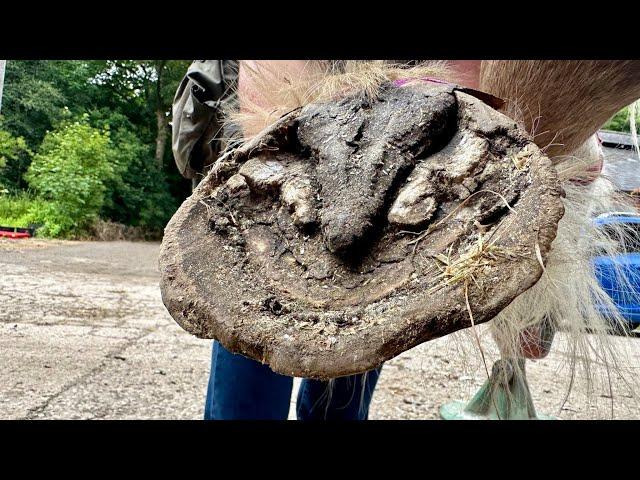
column 352, row 230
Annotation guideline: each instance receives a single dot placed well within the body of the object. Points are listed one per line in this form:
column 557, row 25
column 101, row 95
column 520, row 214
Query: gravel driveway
column 85, row 335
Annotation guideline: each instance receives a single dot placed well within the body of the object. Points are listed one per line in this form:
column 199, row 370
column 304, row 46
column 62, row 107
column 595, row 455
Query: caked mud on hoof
column 353, row 230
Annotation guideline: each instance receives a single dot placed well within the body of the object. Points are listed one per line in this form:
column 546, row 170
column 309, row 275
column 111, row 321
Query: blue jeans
column 243, row 389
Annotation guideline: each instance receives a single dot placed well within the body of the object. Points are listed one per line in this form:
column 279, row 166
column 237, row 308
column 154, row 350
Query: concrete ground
column 84, row 335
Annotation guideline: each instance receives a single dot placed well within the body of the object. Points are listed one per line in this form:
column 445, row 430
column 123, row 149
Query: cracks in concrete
column 33, row 412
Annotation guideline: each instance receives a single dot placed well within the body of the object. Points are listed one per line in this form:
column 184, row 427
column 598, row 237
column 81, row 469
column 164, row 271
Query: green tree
column 131, row 98
column 70, row 170
column 138, row 193
column 36, row 92
column 14, row 152
column 146, row 86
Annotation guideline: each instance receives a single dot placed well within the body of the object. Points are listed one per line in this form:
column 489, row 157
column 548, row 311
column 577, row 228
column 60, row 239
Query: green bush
column 15, row 210
column 24, row 210
column 95, row 167
column 69, row 172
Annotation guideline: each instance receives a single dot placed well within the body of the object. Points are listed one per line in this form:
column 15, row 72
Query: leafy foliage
column 36, row 92
column 138, row 193
column 14, row 153
column 80, row 172
column 17, row 210
column 23, row 210
column 620, row 122
column 70, row 171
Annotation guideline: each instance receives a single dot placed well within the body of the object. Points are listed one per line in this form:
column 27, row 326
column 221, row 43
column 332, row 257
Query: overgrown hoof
column 353, row 230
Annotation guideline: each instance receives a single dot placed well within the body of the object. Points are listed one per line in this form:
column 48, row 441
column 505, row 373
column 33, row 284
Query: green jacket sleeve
column 197, row 116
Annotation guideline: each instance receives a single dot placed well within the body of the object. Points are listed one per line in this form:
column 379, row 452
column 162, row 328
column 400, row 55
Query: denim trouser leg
column 243, row 389
column 343, row 398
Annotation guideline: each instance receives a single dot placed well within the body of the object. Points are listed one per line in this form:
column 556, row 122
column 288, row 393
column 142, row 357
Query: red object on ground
column 14, row 235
